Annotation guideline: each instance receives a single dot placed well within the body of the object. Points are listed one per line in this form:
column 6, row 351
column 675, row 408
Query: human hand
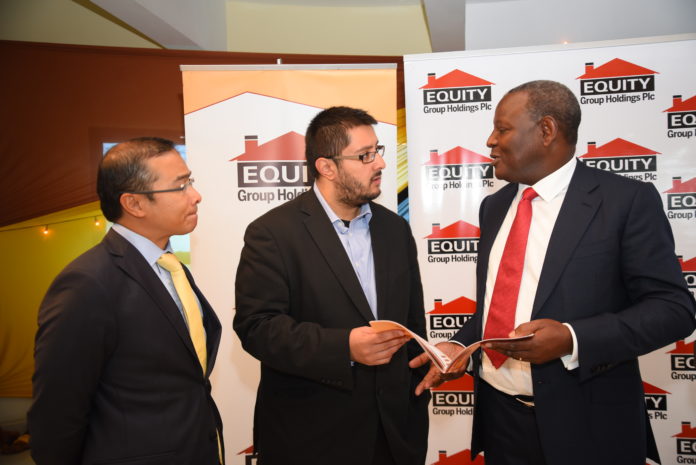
column 370, row 347
column 435, row 377
column 551, row 340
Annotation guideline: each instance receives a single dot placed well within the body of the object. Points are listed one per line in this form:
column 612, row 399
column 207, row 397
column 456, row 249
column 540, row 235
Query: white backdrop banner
column 638, row 101
column 245, row 130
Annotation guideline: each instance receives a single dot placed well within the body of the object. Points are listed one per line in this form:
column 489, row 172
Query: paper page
column 439, row 358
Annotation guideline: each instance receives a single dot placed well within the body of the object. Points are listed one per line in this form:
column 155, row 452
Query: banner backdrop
column 638, row 101
column 245, row 130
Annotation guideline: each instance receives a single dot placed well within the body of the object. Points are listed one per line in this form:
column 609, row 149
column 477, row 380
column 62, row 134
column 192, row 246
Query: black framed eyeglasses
column 181, row 188
column 367, row 157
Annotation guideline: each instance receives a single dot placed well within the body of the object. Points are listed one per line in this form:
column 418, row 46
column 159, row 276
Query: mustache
column 376, row 175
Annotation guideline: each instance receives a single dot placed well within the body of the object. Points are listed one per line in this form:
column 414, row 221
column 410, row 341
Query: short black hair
column 551, row 98
column 327, row 134
column 123, row 169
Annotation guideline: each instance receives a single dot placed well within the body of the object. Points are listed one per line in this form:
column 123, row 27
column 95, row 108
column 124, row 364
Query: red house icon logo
column 457, row 164
column 682, row 196
column 620, row 156
column 279, row 162
column 452, row 315
column 458, row 393
column 682, row 357
column 655, row 400
column 454, row 240
column 250, row 457
column 686, row 439
column 681, row 115
column 456, row 87
column 616, row 77
column 460, row 458
column 689, row 270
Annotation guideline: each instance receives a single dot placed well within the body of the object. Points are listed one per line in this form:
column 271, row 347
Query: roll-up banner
column 638, row 101
column 245, row 129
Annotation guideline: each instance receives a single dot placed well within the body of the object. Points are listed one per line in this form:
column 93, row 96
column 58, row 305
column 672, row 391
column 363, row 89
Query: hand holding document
column 443, row 362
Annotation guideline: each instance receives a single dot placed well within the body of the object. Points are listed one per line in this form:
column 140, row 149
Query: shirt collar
column 365, row 213
column 554, row 183
column 145, row 246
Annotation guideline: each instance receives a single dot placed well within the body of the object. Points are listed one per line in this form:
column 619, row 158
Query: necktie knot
column 169, row 262
column 529, row 194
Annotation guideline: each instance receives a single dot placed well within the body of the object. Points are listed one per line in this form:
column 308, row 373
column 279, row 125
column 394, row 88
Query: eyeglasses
column 367, row 157
column 181, row 188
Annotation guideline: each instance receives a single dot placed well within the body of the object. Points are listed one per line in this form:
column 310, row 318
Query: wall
column 366, row 30
column 518, row 23
column 31, row 260
column 64, row 22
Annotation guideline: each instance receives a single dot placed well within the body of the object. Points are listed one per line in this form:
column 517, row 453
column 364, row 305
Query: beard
column 352, row 193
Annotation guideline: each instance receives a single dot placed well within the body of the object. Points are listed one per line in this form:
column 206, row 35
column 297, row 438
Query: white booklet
column 439, row 358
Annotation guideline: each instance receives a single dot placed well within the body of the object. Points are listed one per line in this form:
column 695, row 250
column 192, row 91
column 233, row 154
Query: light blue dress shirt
column 357, row 242
column 152, row 253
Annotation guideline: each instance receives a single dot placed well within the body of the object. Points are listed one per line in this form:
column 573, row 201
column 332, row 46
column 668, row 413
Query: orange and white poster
column 245, row 129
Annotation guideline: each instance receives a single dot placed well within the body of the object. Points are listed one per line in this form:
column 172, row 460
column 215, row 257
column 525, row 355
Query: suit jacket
column 611, row 272
column 117, row 379
column 297, row 299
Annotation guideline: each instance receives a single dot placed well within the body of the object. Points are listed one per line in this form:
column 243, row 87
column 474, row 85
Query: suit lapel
column 128, row 259
column 380, row 254
column 492, row 215
column 211, row 323
column 330, row 246
column 579, row 207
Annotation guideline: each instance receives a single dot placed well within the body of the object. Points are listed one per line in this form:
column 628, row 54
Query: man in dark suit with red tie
column 125, row 347
column 313, row 272
column 583, row 259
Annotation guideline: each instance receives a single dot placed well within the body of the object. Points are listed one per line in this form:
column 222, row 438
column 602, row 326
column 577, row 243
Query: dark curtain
column 58, row 103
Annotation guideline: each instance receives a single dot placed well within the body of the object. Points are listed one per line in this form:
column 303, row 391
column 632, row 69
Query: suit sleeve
column 660, row 308
column 416, row 312
column 267, row 329
column 73, row 342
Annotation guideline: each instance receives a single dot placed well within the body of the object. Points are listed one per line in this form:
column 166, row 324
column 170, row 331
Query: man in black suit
column 118, row 379
column 312, row 274
column 600, row 285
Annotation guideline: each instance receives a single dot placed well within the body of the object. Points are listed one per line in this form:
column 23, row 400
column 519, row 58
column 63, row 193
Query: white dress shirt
column 514, row 376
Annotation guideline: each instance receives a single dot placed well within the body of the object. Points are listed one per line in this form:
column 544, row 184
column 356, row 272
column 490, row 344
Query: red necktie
column 501, row 313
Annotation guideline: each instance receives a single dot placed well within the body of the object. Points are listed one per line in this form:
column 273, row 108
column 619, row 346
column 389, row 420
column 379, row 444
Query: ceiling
column 201, row 25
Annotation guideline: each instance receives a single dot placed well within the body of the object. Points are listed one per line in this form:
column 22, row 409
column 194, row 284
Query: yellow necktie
column 188, row 299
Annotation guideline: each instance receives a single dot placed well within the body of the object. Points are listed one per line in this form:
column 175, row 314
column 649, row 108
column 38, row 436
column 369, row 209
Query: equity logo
column 682, row 358
column 458, row 167
column 681, row 199
column 623, row 157
column 454, row 397
column 457, row 242
column 616, row 81
column 459, row 458
column 689, row 270
column 456, row 91
column 655, row 401
column 681, row 117
column 275, row 168
column 686, row 443
column 250, row 457
column 446, row 319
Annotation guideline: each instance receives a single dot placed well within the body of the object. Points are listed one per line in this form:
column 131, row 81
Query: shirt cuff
column 571, row 360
